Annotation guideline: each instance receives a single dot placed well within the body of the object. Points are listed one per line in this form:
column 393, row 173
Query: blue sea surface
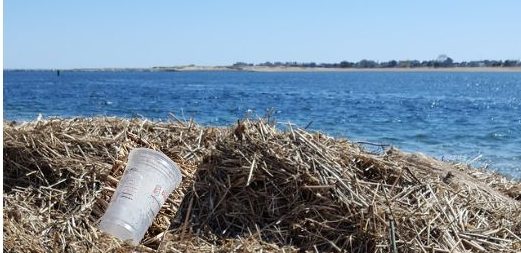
column 450, row 115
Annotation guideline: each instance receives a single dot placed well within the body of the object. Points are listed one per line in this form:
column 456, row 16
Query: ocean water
column 464, row 117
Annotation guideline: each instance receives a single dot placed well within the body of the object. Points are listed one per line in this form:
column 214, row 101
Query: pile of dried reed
column 249, row 188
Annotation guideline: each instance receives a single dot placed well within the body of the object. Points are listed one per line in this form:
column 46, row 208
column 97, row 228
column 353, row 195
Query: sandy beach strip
column 319, row 69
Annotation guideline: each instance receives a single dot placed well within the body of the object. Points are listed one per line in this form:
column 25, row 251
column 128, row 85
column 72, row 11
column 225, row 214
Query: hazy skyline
column 68, row 34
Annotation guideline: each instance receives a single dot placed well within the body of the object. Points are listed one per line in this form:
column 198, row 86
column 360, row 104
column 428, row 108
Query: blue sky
column 74, row 34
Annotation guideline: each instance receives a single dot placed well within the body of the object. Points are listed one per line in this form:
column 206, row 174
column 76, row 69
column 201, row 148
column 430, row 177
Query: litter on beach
column 246, row 188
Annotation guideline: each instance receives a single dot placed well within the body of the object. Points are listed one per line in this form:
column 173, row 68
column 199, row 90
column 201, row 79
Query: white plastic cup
column 148, row 180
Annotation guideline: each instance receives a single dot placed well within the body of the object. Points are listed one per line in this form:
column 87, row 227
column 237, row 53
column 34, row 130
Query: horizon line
column 270, row 62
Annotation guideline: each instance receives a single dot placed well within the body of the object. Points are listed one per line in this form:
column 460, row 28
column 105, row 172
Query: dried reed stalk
column 249, row 188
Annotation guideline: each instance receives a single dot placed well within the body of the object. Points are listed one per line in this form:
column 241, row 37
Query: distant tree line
column 442, row 61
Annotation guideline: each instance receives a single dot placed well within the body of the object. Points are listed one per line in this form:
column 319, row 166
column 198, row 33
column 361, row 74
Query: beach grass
column 249, row 187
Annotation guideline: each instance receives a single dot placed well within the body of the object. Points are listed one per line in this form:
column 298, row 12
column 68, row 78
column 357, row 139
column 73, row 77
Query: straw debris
column 248, row 188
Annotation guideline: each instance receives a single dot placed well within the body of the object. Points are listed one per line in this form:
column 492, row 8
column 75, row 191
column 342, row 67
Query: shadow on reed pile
column 318, row 193
column 247, row 188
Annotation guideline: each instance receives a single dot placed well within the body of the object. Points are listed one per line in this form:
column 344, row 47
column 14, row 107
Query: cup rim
column 174, row 168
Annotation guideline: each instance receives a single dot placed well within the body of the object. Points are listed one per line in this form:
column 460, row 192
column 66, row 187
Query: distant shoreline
column 421, row 69
column 274, row 69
